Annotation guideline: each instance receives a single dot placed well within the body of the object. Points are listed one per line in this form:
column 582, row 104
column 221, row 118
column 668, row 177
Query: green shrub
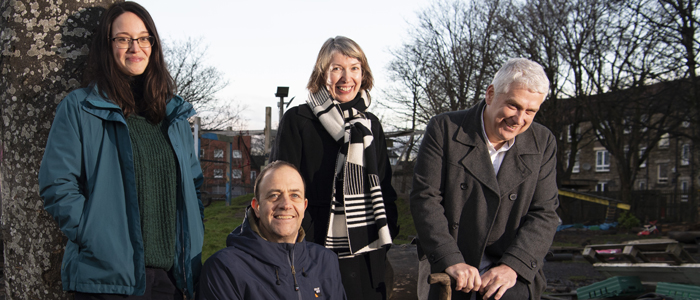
column 627, row 220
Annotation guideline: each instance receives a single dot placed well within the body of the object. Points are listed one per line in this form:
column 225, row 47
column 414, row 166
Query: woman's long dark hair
column 102, row 70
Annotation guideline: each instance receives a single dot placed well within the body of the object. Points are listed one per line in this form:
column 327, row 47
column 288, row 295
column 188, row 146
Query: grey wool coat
column 463, row 210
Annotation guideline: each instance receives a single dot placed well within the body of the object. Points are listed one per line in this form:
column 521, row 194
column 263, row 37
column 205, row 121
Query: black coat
column 463, row 210
column 304, row 142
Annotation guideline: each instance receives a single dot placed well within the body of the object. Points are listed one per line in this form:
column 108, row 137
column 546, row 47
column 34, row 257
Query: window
column 201, row 153
column 643, row 119
column 642, row 184
column 237, row 174
column 685, row 154
column 662, row 173
column 253, row 176
column 236, row 154
column 576, row 167
column 602, row 161
column 685, row 186
column 663, row 142
column 641, row 152
column 685, row 124
column 626, row 125
column 218, row 173
column 602, row 186
column 569, row 135
column 218, row 153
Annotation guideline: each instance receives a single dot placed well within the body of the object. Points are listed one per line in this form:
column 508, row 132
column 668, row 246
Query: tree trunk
column 44, row 46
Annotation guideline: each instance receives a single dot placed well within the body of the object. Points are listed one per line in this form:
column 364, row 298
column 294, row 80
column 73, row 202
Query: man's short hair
column 271, row 167
column 523, row 72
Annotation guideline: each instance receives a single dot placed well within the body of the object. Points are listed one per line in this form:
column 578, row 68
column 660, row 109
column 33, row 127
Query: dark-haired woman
column 340, row 150
column 119, row 174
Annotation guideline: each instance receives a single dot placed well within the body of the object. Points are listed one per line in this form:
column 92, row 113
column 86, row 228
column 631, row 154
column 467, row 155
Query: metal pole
column 268, row 121
column 197, row 124
column 229, row 176
column 281, row 108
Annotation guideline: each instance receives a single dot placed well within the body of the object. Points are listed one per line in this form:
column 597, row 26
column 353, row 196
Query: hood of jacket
column 246, row 237
column 176, row 109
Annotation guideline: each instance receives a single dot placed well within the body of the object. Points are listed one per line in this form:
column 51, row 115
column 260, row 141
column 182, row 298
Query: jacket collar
column 514, row 168
column 247, row 240
column 101, row 107
column 97, row 105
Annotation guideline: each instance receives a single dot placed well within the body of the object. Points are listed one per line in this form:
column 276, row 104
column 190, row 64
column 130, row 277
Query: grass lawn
column 407, row 230
column 220, row 220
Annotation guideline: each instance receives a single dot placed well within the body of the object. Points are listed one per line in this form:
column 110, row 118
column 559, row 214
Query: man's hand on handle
column 466, row 276
column 495, row 282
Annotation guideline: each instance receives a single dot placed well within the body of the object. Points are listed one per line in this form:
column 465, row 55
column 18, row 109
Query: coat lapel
column 476, row 161
column 514, row 168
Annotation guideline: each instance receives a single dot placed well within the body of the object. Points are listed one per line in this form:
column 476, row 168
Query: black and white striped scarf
column 358, row 219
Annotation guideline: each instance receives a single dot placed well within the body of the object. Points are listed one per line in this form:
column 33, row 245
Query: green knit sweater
column 156, row 186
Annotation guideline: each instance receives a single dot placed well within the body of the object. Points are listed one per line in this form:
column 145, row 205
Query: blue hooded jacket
column 87, row 182
column 252, row 268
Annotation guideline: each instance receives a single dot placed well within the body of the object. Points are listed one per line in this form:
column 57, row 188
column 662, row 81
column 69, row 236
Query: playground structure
column 612, row 204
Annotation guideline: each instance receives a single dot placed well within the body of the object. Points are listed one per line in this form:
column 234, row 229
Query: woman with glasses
column 340, row 150
column 119, row 174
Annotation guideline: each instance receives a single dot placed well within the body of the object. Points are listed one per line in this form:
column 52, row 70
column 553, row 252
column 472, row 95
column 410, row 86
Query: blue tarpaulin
column 604, row 226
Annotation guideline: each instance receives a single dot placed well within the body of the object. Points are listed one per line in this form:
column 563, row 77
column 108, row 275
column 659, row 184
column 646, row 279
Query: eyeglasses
column 125, row 42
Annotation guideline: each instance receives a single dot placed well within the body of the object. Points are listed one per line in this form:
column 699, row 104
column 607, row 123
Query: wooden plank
column 674, row 252
column 591, row 255
column 631, row 254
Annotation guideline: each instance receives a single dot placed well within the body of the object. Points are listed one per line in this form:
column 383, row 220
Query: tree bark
column 44, row 46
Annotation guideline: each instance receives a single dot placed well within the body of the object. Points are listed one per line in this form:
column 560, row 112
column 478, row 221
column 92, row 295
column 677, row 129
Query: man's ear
column 256, row 207
column 490, row 93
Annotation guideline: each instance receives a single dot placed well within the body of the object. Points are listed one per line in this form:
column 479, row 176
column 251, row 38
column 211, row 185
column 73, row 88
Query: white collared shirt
column 496, row 155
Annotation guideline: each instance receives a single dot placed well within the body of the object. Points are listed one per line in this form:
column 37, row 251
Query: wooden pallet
column 641, row 251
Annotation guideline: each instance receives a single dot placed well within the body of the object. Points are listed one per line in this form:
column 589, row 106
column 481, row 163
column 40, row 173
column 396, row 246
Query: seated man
column 266, row 257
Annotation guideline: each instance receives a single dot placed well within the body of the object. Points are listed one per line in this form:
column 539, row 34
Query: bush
column 627, row 220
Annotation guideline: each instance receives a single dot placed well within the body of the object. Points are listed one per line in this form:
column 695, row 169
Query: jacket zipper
column 290, row 259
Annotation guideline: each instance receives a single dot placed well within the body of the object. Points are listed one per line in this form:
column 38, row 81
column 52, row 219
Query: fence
column 647, row 205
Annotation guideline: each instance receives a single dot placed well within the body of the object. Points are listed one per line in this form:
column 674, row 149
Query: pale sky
column 260, row 45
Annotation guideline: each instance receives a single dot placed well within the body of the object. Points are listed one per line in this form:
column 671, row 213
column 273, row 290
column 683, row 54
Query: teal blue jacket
column 87, row 182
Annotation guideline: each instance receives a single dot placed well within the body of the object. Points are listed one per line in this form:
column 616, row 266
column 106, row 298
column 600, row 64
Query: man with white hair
column 484, row 191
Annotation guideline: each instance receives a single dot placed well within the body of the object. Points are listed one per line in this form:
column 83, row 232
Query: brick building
column 662, row 160
column 226, row 162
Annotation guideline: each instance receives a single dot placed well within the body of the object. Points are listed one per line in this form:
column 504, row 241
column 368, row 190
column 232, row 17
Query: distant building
column 226, row 159
column 666, row 181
